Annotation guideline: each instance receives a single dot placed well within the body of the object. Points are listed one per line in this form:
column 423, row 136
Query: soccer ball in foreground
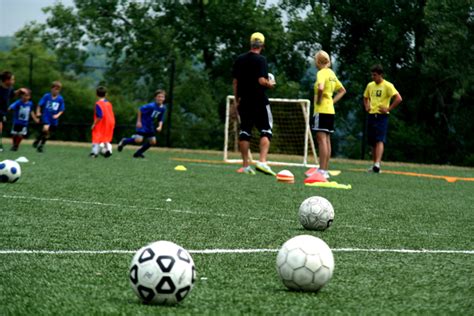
column 10, row 171
column 316, row 213
column 305, row 263
column 162, row 273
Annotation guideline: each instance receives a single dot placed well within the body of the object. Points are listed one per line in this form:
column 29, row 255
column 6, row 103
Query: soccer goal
column 292, row 142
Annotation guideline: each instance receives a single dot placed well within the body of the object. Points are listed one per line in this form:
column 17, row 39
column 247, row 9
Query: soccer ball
column 162, row 273
column 305, row 263
column 10, row 171
column 316, row 213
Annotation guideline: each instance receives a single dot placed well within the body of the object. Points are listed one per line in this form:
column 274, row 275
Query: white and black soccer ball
column 162, row 273
column 10, row 171
column 305, row 263
column 316, row 213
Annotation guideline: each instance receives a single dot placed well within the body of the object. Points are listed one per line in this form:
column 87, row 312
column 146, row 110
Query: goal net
column 292, row 143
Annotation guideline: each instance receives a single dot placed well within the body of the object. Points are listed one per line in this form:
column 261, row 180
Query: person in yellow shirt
column 377, row 97
column 325, row 86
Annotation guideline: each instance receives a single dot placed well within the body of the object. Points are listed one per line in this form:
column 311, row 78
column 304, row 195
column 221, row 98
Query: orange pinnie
column 103, row 131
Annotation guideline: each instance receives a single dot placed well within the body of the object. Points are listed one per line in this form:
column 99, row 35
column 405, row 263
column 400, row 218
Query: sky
column 14, row 14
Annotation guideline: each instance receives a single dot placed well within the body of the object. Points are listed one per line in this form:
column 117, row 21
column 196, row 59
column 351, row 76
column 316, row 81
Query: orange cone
column 315, row 177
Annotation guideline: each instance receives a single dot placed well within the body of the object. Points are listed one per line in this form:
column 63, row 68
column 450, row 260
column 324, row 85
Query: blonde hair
column 322, row 59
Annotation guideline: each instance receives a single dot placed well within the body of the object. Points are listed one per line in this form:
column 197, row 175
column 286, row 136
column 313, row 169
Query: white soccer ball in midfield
column 162, row 273
column 305, row 263
column 316, row 213
column 10, row 171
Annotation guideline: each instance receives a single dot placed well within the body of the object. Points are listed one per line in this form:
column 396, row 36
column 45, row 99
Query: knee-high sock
column 95, row 149
column 128, row 141
column 144, row 148
column 44, row 137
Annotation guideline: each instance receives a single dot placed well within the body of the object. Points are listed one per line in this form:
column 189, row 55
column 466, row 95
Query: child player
column 51, row 107
column 104, row 124
column 6, row 94
column 22, row 110
column 145, row 125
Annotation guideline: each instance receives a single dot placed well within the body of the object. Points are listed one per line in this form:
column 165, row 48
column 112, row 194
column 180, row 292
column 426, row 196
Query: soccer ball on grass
column 316, row 213
column 10, row 171
column 305, row 263
column 162, row 273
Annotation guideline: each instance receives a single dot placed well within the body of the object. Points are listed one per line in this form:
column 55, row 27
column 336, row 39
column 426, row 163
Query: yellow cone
column 180, row 168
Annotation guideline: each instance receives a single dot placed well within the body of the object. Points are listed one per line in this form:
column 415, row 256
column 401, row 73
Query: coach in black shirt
column 250, row 73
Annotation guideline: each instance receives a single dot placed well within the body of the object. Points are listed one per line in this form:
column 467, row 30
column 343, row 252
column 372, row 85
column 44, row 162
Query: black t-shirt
column 6, row 94
column 247, row 69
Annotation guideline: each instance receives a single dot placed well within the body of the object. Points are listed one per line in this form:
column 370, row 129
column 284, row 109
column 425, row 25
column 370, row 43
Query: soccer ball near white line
column 10, row 171
column 316, row 213
column 305, row 263
column 162, row 273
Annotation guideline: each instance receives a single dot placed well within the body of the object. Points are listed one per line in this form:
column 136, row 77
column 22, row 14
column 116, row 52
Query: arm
column 34, row 117
column 265, row 82
column 17, row 92
column 236, row 98
column 395, row 103
column 56, row 116
column 160, row 126
column 319, row 94
column 339, row 95
column 367, row 104
column 139, row 119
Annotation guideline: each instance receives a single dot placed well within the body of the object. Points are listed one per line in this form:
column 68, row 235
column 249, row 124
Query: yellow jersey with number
column 379, row 95
column 328, row 78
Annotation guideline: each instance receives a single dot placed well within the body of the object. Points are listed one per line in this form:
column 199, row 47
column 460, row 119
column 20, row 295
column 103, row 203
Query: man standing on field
column 377, row 98
column 250, row 73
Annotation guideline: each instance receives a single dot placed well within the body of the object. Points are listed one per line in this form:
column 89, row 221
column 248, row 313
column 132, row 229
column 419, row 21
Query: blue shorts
column 377, row 128
column 47, row 119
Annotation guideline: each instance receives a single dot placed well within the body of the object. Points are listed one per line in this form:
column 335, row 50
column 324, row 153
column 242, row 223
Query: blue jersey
column 21, row 112
column 150, row 112
column 51, row 106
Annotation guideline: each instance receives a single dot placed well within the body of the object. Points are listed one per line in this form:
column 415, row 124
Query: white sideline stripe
column 238, row 251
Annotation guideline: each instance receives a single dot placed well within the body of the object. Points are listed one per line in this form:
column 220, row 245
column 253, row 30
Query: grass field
column 66, row 201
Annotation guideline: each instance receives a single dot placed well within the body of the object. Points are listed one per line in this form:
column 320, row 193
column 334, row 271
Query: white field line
column 235, row 251
column 266, row 219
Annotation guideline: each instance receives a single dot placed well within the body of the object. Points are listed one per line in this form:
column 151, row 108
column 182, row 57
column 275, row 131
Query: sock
column 17, row 140
column 95, row 149
column 43, row 138
column 128, row 141
column 377, row 164
column 144, row 148
column 108, row 147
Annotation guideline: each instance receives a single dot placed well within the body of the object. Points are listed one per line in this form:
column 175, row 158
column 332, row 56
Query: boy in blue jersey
column 6, row 94
column 22, row 110
column 145, row 125
column 51, row 107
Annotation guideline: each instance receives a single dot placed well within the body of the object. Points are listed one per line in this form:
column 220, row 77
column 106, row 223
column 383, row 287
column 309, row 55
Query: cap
column 257, row 39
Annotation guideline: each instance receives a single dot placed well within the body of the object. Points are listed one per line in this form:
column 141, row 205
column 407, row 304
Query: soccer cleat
column 264, row 168
column 14, row 148
column 107, row 154
column 121, row 145
column 92, row 155
column 135, row 155
column 39, row 149
column 35, row 143
column 374, row 169
column 247, row 170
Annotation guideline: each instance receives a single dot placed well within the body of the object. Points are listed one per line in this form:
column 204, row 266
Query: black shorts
column 19, row 130
column 377, row 128
column 255, row 114
column 323, row 122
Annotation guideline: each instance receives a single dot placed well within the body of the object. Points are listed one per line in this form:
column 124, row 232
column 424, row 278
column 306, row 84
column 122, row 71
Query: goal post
column 292, row 143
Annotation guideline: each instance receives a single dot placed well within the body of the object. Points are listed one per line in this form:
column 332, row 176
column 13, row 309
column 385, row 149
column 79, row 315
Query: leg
column 95, row 150
column 43, row 137
column 244, row 146
column 328, row 147
column 378, row 152
column 135, row 139
column 264, row 147
column 146, row 145
column 323, row 149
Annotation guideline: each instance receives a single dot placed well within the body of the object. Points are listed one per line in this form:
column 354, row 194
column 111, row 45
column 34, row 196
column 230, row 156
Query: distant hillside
column 6, row 43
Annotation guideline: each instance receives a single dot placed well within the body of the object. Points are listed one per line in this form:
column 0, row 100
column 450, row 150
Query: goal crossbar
column 308, row 138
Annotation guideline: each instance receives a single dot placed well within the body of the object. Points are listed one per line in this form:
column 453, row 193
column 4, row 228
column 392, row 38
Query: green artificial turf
column 68, row 201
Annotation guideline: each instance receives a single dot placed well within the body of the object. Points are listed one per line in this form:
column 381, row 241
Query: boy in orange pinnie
column 103, row 126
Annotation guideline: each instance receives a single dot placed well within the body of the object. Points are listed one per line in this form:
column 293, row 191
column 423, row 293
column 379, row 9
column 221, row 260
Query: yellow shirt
column 328, row 78
column 379, row 95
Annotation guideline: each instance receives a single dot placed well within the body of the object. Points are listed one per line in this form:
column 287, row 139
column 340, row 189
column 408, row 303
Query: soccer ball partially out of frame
column 305, row 263
column 162, row 273
column 316, row 213
column 10, row 171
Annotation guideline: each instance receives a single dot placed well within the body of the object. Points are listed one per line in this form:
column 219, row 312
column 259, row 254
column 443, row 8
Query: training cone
column 285, row 176
column 180, row 168
column 315, row 177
